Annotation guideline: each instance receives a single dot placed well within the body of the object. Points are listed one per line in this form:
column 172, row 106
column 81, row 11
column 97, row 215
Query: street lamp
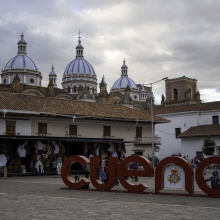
column 152, row 119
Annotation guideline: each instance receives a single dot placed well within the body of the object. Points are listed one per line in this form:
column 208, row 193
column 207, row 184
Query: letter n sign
column 159, row 174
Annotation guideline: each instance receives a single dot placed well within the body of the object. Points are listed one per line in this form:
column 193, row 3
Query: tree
column 209, row 146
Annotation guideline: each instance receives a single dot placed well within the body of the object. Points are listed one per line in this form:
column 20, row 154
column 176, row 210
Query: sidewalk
column 40, row 197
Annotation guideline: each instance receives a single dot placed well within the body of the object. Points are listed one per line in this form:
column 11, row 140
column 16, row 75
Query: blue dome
column 52, row 73
column 122, row 83
column 21, row 62
column 79, row 66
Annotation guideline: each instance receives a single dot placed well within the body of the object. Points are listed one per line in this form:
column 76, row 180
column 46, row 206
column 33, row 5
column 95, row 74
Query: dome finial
column 124, row 61
column 22, row 36
column 79, row 48
column 52, row 68
column 79, row 37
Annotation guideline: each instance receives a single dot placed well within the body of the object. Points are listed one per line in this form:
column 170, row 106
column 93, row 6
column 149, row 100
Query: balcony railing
column 108, row 137
column 147, row 140
column 43, row 134
column 73, row 135
column 16, row 133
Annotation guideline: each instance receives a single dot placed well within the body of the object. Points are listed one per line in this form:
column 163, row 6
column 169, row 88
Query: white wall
column 124, row 131
column 183, row 120
column 22, row 126
column 169, row 143
column 206, row 117
column 189, row 146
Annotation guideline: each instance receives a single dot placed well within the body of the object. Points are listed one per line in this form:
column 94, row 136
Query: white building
column 76, row 125
column 200, row 117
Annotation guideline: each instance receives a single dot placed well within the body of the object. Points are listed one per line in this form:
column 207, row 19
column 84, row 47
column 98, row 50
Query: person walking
column 215, row 180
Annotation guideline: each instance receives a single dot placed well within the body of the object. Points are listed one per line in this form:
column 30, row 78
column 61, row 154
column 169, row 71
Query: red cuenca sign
column 121, row 172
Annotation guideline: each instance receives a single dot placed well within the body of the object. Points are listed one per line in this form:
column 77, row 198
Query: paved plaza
column 41, row 197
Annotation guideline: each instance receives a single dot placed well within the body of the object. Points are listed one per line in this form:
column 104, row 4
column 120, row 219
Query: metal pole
column 152, row 119
column 152, row 126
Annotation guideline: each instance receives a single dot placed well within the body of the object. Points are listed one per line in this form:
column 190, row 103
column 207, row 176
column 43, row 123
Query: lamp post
column 152, row 118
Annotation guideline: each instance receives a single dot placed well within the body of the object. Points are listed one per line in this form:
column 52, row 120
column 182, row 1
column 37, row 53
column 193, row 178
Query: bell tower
column 182, row 90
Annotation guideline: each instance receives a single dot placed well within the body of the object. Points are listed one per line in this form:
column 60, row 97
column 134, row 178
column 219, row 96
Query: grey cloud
column 157, row 38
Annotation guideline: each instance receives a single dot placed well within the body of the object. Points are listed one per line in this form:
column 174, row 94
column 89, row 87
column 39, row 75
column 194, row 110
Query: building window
column 190, row 93
column 135, row 97
column 68, row 89
column 10, row 127
column 42, row 128
column 215, row 119
column 72, row 129
column 31, row 81
column 74, row 89
column 177, row 131
column 5, row 81
column 107, row 131
column 138, row 132
column 175, row 92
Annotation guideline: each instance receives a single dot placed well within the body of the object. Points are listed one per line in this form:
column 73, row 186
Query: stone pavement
column 40, row 197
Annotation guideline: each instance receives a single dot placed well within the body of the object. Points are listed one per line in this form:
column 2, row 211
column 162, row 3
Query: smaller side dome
column 124, row 80
column 52, row 71
column 21, row 62
column 143, row 89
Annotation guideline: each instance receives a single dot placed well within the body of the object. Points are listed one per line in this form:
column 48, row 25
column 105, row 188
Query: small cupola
column 124, row 69
column 53, row 77
column 143, row 95
column 22, row 46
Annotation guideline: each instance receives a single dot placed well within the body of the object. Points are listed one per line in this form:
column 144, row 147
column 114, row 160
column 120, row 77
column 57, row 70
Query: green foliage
column 157, row 148
column 209, row 146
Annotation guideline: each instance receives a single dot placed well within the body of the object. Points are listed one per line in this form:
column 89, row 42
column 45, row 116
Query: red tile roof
column 187, row 108
column 201, row 131
column 21, row 102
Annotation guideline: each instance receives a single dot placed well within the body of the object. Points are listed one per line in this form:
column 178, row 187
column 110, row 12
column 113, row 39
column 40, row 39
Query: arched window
column 31, row 81
column 190, row 93
column 5, row 81
column 175, row 93
column 68, row 89
column 74, row 89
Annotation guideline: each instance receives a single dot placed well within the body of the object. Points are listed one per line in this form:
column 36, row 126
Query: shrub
column 208, row 146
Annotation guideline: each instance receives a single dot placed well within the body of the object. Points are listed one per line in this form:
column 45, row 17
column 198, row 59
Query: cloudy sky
column 157, row 38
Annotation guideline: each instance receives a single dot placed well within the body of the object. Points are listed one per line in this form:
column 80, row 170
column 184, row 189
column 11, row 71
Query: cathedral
column 79, row 82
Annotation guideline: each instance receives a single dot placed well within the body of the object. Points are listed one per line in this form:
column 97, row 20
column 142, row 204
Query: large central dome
column 79, row 72
column 79, row 66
